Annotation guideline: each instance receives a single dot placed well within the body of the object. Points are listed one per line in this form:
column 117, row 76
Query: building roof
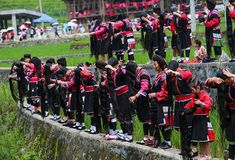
column 6, row 14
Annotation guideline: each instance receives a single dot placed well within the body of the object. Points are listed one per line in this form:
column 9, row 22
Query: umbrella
column 10, row 29
column 3, row 30
column 45, row 18
column 27, row 22
column 73, row 20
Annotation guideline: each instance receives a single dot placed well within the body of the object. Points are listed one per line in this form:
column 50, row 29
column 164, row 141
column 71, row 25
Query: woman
column 161, row 106
column 202, row 131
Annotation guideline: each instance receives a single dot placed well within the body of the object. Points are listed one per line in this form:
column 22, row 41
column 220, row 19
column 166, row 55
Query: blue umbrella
column 45, row 18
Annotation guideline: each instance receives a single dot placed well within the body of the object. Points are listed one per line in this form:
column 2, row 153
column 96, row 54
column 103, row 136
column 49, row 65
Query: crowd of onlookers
column 27, row 31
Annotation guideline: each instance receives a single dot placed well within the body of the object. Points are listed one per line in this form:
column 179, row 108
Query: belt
column 231, row 105
column 184, row 97
column 89, row 88
column 121, row 90
column 33, row 79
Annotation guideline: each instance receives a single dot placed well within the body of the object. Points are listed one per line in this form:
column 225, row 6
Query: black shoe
column 69, row 124
column 206, row 60
column 165, row 145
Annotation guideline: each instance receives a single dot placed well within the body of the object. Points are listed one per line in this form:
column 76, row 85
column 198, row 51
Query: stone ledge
column 66, row 143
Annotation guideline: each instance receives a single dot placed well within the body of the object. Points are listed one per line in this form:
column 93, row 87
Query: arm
column 232, row 13
column 163, row 94
column 182, row 16
column 212, row 23
column 118, row 24
column 172, row 27
column 185, row 74
column 99, row 32
column 213, row 82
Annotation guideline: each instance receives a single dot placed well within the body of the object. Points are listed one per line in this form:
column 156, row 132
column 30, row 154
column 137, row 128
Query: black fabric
column 142, row 109
column 89, row 103
column 103, row 46
column 231, row 150
column 117, row 45
column 166, row 132
column 185, row 40
column 125, row 113
column 209, row 42
column 153, row 44
column 200, row 128
column 185, row 136
column 179, row 108
column 187, row 52
column 230, row 130
column 146, row 128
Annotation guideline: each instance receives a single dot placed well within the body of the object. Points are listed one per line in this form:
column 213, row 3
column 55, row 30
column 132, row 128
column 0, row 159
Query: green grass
column 13, row 144
column 54, row 8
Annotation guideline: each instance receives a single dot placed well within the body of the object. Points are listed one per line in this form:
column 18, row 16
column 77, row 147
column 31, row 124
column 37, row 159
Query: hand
column 228, row 74
column 108, row 66
column 152, row 95
column 92, row 33
column 132, row 99
column 217, row 80
column 198, row 102
column 169, row 71
column 116, row 35
column 51, row 86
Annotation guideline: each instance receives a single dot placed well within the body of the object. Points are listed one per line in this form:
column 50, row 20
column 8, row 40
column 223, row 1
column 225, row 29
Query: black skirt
column 178, row 118
column 147, row 39
column 161, row 113
column 230, row 130
column 175, row 42
column 142, row 109
column 89, row 103
column 93, row 46
column 185, row 40
column 103, row 46
column 124, row 110
column 117, row 45
column 153, row 41
column 202, row 130
column 73, row 102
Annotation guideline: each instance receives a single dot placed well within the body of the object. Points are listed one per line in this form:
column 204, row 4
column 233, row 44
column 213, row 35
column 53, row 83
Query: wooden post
column 193, row 18
column 127, row 7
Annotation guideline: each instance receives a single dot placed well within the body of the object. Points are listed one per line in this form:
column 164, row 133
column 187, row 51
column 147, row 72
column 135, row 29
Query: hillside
column 54, row 8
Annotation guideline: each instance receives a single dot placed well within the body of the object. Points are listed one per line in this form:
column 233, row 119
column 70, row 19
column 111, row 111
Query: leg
column 187, row 50
column 130, row 55
column 231, row 150
column 218, row 51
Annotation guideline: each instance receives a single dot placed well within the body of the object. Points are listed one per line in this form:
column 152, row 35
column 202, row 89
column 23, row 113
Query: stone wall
column 62, row 143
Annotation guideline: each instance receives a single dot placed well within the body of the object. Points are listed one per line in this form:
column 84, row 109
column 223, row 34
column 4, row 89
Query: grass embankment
column 14, row 146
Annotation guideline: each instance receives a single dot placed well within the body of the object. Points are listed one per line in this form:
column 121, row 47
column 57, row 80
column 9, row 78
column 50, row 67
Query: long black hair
column 37, row 63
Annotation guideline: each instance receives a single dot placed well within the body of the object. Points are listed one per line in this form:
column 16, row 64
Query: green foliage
column 13, row 144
